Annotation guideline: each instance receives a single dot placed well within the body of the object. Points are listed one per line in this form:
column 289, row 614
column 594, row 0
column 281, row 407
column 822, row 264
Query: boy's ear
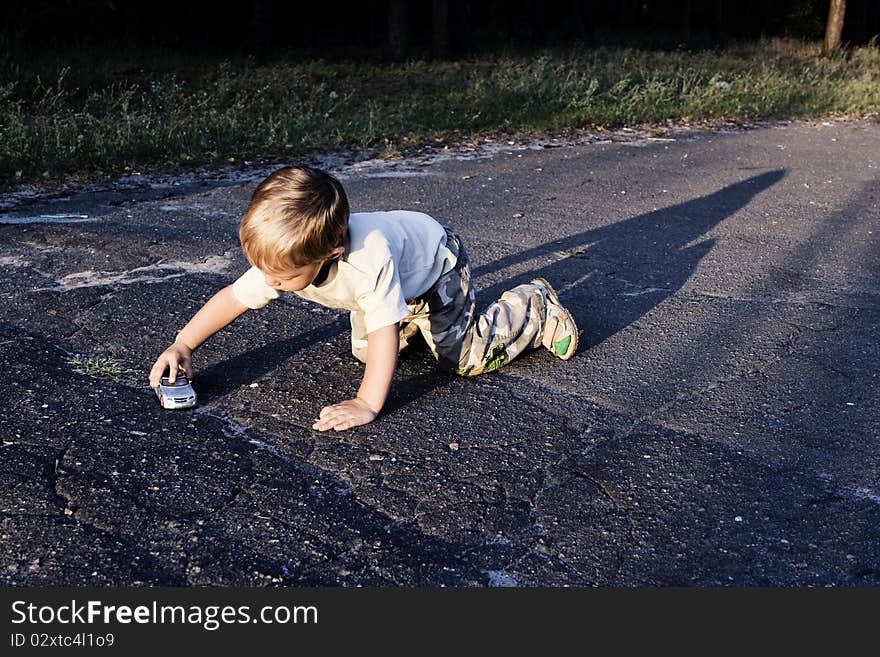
column 335, row 253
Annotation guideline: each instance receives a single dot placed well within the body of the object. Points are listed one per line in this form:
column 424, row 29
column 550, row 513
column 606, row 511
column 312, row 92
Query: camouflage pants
column 462, row 341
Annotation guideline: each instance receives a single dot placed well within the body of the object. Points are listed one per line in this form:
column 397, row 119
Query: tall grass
column 90, row 112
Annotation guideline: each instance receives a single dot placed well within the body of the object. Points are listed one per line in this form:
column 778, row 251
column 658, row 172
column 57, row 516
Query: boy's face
column 296, row 278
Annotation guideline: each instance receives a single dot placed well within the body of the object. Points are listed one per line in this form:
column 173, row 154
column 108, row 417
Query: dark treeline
column 420, row 28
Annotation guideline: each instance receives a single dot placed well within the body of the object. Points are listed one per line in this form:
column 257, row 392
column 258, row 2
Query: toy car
column 179, row 394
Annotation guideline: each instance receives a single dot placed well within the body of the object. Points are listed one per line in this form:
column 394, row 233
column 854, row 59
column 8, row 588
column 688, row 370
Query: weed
column 85, row 112
column 100, row 366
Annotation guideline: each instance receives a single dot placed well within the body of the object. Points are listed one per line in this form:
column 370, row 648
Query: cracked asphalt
column 718, row 426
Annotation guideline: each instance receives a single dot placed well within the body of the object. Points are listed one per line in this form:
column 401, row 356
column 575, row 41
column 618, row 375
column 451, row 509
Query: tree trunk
column 686, row 22
column 644, row 13
column 718, row 17
column 261, row 28
column 834, row 28
column 460, row 32
column 862, row 22
column 397, row 32
column 537, row 22
column 577, row 19
column 440, row 26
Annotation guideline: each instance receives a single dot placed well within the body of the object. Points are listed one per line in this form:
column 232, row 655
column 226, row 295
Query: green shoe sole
column 567, row 346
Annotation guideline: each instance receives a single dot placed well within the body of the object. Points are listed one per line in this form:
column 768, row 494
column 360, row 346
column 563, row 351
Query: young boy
column 398, row 273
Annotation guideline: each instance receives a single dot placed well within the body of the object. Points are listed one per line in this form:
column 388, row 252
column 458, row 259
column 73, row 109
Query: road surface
column 718, row 426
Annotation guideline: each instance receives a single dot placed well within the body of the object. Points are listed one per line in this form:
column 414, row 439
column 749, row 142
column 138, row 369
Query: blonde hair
column 296, row 216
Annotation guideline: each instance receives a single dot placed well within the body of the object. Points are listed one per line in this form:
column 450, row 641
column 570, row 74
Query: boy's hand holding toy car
column 174, row 391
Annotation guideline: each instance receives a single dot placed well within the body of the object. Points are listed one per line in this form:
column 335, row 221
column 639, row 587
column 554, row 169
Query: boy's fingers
column 339, row 417
column 330, row 417
column 156, row 374
column 172, row 369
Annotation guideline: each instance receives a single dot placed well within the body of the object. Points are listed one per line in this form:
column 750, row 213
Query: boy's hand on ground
column 176, row 357
column 345, row 415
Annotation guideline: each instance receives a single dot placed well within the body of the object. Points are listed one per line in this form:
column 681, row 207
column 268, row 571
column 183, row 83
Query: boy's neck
column 322, row 273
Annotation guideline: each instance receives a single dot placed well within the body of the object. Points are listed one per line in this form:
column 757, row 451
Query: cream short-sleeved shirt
column 390, row 258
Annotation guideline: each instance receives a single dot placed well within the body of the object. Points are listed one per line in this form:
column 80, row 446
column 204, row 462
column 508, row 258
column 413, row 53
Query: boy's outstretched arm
column 218, row 311
column 382, row 347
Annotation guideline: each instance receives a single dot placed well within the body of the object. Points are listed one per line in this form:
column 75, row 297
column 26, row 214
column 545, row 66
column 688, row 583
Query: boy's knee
column 494, row 360
column 466, row 370
column 460, row 368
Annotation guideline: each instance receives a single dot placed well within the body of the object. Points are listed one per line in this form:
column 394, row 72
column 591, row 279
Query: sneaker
column 560, row 331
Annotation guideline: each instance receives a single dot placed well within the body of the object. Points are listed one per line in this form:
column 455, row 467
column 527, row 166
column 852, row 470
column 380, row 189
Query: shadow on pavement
column 659, row 249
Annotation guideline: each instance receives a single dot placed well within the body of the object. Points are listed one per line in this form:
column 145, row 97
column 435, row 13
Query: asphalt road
column 718, row 426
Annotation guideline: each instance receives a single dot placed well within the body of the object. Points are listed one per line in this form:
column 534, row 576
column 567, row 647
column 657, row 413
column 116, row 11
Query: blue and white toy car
column 179, row 394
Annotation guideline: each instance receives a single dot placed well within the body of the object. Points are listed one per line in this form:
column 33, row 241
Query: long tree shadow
column 650, row 256
column 660, row 250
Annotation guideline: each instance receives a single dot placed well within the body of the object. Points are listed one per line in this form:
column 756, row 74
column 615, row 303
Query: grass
column 100, row 366
column 91, row 113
